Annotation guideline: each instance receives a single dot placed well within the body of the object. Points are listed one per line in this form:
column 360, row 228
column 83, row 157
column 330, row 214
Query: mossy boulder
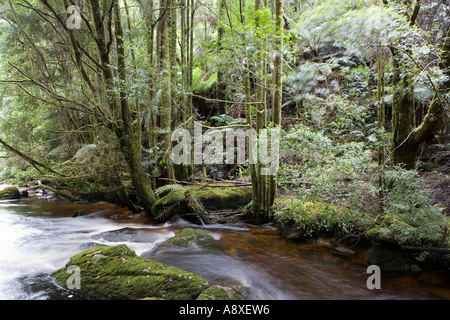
column 222, row 293
column 187, row 237
column 202, row 202
column 10, row 193
column 117, row 273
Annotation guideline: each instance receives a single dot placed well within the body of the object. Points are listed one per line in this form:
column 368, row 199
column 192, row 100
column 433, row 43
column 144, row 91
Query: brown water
column 38, row 237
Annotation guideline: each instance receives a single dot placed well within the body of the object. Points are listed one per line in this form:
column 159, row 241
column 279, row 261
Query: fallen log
column 207, row 185
column 426, row 249
column 61, row 193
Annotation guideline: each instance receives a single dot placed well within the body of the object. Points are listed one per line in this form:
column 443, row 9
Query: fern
column 167, row 188
column 411, row 218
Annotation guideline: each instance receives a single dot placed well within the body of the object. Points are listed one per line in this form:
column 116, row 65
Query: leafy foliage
column 322, row 169
column 316, row 219
column 167, row 188
column 410, row 218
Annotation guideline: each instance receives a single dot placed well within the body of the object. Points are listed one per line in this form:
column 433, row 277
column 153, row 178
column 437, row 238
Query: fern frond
column 167, row 188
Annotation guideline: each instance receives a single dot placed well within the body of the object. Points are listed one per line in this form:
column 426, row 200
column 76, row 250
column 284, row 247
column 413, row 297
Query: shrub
column 409, row 218
column 307, row 219
column 340, row 173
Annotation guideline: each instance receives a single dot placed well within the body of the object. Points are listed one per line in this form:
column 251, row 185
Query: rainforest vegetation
column 91, row 92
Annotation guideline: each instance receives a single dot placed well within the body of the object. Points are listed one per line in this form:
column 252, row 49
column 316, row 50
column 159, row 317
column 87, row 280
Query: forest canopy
column 91, row 92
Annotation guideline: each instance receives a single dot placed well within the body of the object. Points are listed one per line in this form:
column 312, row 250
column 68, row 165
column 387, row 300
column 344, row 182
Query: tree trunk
column 221, row 85
column 173, row 61
column 260, row 182
column 406, row 137
column 166, row 97
column 278, row 84
column 403, row 125
column 123, row 129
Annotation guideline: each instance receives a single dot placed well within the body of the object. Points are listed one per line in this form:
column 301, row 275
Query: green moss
column 187, row 237
column 118, row 273
column 302, row 220
column 10, row 193
column 167, row 205
column 200, row 200
column 222, row 293
column 219, row 198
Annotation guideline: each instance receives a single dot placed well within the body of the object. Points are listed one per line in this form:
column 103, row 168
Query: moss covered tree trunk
column 403, row 124
column 278, row 84
column 221, row 85
column 123, row 128
column 261, row 182
column 406, row 136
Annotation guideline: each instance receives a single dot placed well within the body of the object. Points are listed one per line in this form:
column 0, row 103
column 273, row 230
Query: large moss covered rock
column 10, row 193
column 118, row 273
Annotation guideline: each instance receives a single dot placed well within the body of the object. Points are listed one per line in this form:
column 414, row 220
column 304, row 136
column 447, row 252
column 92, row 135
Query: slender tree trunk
column 278, row 84
column 166, row 98
column 381, row 113
column 260, row 183
column 173, row 61
column 136, row 94
column 248, row 99
column 221, row 85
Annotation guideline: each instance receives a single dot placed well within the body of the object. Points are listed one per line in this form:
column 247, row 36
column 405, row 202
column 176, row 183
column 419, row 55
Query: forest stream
column 38, row 236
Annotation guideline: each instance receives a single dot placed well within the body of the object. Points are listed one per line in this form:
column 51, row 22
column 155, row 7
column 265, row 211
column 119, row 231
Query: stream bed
column 38, row 236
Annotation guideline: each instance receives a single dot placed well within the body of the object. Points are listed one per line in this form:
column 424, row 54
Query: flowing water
column 38, row 236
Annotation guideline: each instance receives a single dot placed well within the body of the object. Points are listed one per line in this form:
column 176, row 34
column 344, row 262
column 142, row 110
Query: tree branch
column 31, row 161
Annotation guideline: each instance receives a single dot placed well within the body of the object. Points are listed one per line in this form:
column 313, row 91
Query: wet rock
column 24, row 194
column 142, row 235
column 10, row 193
column 391, row 261
column 222, row 293
column 117, row 273
column 187, row 237
column 79, row 213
